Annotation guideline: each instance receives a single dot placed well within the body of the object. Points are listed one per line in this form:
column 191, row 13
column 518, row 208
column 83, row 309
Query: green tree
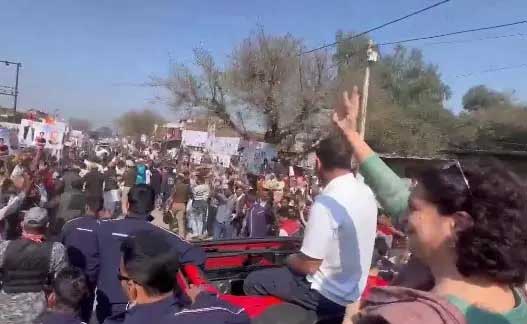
column 136, row 123
column 480, row 97
column 410, row 80
column 405, row 108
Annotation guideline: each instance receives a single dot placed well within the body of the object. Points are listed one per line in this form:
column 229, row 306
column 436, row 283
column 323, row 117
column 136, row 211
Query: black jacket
column 110, row 235
column 93, row 182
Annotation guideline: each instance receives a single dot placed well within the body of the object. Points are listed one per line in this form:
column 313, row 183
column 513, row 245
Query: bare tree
column 189, row 91
column 266, row 74
column 286, row 88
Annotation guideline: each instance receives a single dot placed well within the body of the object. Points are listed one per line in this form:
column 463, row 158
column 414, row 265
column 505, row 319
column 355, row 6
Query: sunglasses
column 457, row 166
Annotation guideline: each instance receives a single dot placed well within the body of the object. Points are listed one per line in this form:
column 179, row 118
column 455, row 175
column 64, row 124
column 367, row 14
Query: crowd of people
column 78, row 245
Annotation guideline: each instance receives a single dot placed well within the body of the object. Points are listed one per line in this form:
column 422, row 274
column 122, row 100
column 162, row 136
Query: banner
column 52, row 135
column 225, row 145
column 222, row 159
column 254, row 154
column 5, row 142
column 194, row 138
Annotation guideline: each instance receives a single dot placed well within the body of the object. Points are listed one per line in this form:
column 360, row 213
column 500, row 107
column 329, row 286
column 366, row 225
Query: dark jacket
column 68, row 177
column 259, row 221
column 110, row 180
column 94, row 182
column 79, row 238
column 58, row 318
column 168, row 183
column 72, row 204
column 155, row 180
column 207, row 309
column 110, row 234
column 129, row 177
column 26, row 266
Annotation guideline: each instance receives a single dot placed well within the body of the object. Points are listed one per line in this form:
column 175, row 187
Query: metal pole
column 16, row 86
column 364, row 103
column 372, row 58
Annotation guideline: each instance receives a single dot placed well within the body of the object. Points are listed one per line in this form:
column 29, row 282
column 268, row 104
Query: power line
column 510, row 67
column 453, row 33
column 475, row 39
column 378, row 27
column 450, row 34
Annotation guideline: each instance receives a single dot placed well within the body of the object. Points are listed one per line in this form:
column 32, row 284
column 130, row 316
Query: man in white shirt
column 198, row 217
column 331, row 269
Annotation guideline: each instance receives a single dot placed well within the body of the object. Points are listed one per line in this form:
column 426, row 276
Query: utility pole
column 12, row 91
column 373, row 56
column 16, row 86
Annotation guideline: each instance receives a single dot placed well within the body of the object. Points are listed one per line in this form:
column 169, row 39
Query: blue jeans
column 197, row 215
column 222, row 230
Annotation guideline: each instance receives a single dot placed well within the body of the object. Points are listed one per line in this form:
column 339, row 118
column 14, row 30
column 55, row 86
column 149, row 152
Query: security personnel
column 27, row 265
column 111, row 233
column 79, row 238
column 65, row 300
column 146, row 275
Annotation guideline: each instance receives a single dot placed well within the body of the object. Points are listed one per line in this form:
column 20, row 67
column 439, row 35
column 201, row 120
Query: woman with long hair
column 467, row 225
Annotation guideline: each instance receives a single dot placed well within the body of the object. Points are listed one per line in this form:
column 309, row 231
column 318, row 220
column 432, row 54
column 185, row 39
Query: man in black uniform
column 146, row 274
column 78, row 235
column 65, row 300
column 111, row 233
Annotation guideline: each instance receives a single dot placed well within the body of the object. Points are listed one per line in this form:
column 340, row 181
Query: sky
column 88, row 58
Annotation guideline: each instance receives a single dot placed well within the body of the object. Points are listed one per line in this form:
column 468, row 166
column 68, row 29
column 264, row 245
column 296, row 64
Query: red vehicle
column 228, row 264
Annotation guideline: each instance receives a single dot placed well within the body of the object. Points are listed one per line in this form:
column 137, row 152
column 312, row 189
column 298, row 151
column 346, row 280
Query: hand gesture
column 346, row 117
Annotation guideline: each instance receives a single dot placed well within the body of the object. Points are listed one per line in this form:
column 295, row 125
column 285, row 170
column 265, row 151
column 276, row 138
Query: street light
column 15, row 92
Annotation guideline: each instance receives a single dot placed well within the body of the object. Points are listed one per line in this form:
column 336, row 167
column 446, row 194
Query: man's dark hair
column 150, row 261
column 141, row 199
column 334, row 152
column 495, row 245
column 70, row 288
column 95, row 203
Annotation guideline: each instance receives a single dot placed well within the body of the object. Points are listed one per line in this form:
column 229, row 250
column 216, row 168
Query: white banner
column 225, row 145
column 222, row 159
column 194, row 138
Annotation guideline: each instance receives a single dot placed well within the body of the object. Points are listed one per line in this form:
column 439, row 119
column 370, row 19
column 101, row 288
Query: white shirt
column 341, row 232
column 201, row 192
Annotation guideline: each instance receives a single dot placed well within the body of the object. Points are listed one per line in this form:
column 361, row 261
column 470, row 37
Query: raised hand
column 345, row 117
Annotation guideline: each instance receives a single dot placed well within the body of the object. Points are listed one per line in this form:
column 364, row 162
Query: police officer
column 65, row 299
column 111, row 233
column 78, row 235
column 27, row 265
column 146, row 274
